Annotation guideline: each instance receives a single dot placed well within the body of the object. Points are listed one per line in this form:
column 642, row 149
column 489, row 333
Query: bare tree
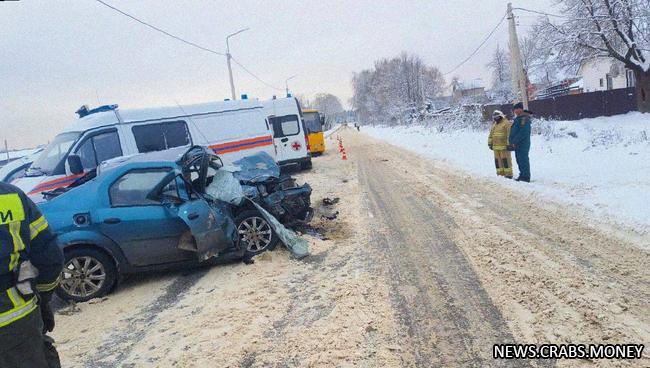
column 501, row 90
column 303, row 101
column 328, row 105
column 592, row 28
column 395, row 89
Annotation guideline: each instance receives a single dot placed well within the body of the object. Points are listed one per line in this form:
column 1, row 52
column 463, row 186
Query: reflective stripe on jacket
column 24, row 235
column 499, row 133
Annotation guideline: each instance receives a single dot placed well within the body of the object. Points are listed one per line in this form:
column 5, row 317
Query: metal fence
column 575, row 107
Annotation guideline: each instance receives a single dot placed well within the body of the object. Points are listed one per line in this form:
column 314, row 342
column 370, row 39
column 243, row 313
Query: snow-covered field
column 601, row 164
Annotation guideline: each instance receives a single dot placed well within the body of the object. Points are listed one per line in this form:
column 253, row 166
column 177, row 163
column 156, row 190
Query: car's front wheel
column 255, row 233
column 87, row 273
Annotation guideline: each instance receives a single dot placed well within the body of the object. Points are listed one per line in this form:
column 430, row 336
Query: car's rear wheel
column 87, row 273
column 255, row 233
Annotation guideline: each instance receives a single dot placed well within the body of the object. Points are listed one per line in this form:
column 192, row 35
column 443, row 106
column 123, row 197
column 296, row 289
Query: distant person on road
column 519, row 140
column 498, row 142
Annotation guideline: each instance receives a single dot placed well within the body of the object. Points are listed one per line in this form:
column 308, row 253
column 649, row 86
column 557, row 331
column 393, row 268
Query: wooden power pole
column 519, row 87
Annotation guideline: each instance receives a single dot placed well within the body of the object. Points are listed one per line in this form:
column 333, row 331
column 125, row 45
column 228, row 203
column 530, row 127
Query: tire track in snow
column 118, row 345
column 450, row 318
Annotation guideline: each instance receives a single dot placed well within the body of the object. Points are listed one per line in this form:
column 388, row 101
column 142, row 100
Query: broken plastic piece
column 330, row 201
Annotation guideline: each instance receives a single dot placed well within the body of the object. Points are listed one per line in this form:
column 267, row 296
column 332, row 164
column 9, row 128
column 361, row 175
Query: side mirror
column 76, row 167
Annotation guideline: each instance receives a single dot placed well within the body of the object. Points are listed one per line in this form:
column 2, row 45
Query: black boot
column 523, row 178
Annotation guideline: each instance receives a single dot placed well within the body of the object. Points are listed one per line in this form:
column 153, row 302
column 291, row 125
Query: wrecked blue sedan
column 151, row 212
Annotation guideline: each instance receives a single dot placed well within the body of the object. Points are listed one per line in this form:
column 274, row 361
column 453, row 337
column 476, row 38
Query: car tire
column 87, row 273
column 264, row 238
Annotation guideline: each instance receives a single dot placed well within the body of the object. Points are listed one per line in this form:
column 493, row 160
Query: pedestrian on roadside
column 498, row 142
column 30, row 265
column 519, row 140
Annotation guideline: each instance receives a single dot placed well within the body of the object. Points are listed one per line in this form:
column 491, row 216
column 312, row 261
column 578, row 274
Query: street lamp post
column 286, row 84
column 228, row 57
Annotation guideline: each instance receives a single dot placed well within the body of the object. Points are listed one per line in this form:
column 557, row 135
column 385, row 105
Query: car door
column 288, row 137
column 148, row 231
column 212, row 230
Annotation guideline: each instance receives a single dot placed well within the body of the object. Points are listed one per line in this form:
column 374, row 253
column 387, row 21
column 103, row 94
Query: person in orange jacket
column 498, row 142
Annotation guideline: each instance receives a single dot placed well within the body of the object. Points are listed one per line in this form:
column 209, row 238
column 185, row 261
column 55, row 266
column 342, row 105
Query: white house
column 604, row 73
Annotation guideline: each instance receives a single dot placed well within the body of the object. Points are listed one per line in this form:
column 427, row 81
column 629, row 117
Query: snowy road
column 472, row 264
column 424, row 266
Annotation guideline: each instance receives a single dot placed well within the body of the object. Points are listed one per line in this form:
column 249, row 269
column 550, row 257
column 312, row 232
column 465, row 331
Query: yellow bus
column 314, row 125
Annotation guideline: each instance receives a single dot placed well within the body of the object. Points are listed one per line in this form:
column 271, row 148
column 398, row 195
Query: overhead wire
column 540, row 13
column 479, row 46
column 160, row 30
column 254, row 75
column 193, row 44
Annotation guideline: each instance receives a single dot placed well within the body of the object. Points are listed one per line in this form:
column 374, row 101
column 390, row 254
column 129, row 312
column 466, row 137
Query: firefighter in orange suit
column 498, row 142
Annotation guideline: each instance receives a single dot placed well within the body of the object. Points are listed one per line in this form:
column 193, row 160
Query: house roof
column 470, row 84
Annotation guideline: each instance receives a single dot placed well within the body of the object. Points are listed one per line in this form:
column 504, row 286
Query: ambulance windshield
column 50, row 161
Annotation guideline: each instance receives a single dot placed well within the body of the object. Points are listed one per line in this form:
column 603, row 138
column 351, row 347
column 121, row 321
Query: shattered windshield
column 312, row 122
column 50, row 159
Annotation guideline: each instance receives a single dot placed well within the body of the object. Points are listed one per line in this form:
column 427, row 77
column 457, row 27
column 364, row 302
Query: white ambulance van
column 232, row 129
column 289, row 134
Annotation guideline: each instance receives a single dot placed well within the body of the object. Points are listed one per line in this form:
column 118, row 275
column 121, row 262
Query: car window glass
column 107, row 146
column 52, row 156
column 170, row 190
column 161, row 136
column 312, row 122
column 87, row 154
column 285, row 125
column 176, row 134
column 133, row 187
column 149, row 137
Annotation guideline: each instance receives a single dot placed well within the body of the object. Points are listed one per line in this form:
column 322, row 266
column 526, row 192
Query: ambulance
column 232, row 129
column 289, row 133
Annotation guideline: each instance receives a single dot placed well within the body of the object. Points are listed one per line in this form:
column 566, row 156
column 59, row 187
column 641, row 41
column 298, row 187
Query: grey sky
column 58, row 55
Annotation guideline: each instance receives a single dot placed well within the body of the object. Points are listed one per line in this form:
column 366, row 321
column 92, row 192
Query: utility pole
column 519, row 87
column 233, row 95
column 286, row 84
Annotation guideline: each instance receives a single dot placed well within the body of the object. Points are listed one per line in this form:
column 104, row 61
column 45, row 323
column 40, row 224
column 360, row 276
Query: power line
column 255, row 76
column 540, row 13
column 479, row 46
column 160, row 30
column 187, row 42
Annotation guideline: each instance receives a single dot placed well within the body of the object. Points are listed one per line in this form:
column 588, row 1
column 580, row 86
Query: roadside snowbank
column 601, row 164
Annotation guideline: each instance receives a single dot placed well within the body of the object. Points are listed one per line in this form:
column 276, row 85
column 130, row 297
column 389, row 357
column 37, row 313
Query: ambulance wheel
column 87, row 273
column 255, row 233
column 306, row 165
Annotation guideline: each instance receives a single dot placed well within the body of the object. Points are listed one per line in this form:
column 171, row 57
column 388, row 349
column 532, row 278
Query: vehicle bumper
column 296, row 162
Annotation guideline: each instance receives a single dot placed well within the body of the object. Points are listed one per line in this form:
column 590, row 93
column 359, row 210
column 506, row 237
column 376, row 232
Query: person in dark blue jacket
column 519, row 140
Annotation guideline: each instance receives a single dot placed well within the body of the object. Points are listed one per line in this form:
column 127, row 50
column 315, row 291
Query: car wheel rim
column 83, row 276
column 256, row 233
